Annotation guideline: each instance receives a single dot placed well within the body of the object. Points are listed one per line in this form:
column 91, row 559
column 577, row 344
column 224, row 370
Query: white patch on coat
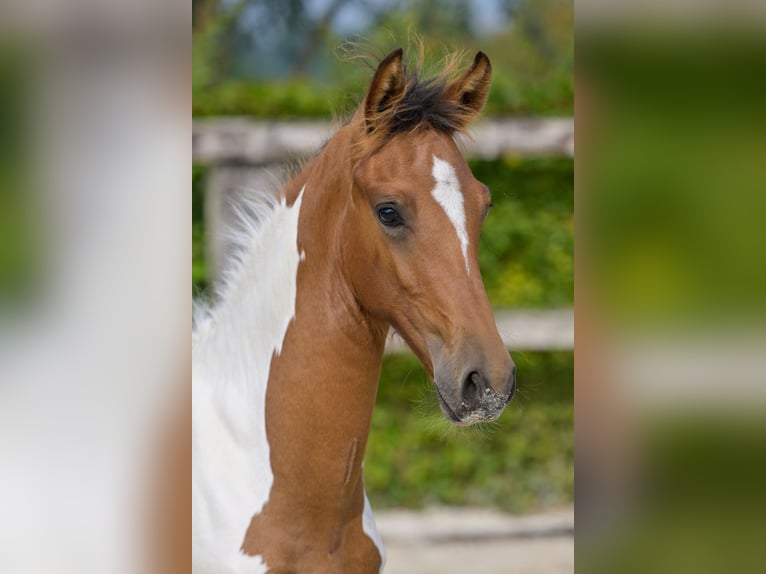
column 371, row 530
column 447, row 194
column 231, row 359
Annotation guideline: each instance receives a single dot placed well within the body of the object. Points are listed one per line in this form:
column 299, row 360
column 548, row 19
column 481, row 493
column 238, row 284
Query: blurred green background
column 286, row 60
column 21, row 261
column 674, row 279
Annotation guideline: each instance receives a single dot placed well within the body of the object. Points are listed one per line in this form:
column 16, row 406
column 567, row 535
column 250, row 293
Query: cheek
column 381, row 273
column 368, row 262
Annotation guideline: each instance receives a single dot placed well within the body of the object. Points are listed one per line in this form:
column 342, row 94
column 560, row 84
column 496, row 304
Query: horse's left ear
column 387, row 86
column 472, row 88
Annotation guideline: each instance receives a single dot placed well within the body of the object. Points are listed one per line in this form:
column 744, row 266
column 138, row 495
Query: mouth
column 482, row 414
column 446, row 410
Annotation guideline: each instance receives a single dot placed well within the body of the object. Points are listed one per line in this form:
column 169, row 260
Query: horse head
column 417, row 212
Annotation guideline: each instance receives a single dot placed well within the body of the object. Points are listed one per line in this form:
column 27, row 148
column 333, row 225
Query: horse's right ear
column 470, row 91
column 387, row 86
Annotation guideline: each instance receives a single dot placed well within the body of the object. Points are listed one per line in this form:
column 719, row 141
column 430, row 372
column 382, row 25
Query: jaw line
column 420, row 351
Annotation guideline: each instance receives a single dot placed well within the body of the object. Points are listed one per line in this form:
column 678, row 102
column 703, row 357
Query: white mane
column 252, row 211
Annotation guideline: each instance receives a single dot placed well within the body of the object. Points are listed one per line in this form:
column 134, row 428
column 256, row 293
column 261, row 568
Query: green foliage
column 522, row 462
column 21, row 263
column 533, row 60
column 527, row 244
column 542, row 97
column 295, row 98
column 304, row 98
column 676, row 180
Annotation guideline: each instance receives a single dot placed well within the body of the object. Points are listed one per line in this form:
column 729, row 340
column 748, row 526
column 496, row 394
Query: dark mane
column 424, row 105
column 426, row 102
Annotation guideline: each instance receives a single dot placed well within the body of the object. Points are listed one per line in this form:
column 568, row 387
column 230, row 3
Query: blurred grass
column 701, row 506
column 522, row 462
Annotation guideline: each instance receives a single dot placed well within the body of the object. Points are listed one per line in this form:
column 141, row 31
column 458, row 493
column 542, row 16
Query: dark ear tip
column 395, row 55
column 481, row 57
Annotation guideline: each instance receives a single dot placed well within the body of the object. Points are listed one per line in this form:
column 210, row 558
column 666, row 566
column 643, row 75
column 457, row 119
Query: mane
column 253, row 211
column 425, row 104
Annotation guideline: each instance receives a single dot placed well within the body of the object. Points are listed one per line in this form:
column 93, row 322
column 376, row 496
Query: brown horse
column 380, row 229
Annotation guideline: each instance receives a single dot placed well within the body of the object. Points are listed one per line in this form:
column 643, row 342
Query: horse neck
column 322, row 385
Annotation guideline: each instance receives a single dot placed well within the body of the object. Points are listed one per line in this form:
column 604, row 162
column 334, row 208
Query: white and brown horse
column 380, row 229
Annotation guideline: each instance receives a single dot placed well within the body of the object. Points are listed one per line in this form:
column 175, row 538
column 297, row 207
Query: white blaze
column 447, row 194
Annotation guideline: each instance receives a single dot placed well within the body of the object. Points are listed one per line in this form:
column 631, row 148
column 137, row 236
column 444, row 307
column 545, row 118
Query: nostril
column 473, row 386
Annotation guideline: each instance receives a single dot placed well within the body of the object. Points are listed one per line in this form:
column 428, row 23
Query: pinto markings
column 231, row 359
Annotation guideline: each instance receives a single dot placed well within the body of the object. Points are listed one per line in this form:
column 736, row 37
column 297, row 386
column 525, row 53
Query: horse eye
column 389, row 216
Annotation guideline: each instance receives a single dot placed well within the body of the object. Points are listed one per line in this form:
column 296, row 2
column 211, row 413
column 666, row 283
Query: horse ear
column 470, row 91
column 387, row 86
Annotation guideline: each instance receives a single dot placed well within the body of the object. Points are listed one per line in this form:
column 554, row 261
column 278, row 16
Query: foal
column 380, row 229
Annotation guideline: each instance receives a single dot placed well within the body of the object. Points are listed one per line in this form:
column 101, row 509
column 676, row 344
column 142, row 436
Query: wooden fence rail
column 528, row 330
column 248, row 142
